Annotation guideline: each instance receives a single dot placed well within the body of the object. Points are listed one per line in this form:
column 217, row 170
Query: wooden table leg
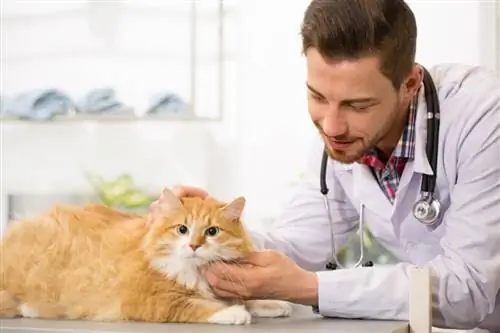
column 420, row 320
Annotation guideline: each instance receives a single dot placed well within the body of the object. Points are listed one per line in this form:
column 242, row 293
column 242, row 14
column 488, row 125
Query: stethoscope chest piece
column 427, row 209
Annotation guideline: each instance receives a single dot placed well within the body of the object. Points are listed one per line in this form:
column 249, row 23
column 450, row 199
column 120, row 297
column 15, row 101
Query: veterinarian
column 420, row 168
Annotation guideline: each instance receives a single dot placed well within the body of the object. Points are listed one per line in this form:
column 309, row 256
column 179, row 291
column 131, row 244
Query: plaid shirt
column 388, row 174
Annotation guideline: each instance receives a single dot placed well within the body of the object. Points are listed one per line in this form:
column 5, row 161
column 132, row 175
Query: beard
column 357, row 149
column 358, row 146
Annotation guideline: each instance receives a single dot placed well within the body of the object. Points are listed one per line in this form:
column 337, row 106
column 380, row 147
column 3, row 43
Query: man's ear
column 234, row 209
column 413, row 82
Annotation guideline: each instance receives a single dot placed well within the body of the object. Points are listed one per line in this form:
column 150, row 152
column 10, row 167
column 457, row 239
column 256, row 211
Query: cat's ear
column 234, row 209
column 168, row 201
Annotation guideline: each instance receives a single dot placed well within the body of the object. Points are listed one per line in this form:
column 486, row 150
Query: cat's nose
column 194, row 247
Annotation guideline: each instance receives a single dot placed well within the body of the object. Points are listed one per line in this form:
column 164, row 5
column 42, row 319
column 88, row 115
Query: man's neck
column 390, row 141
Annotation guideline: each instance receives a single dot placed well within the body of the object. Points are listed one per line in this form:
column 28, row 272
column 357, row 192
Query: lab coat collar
column 421, row 163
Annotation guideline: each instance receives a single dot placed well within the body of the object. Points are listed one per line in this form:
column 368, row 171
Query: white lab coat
column 463, row 251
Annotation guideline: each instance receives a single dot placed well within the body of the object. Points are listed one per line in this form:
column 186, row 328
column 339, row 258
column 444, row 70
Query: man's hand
column 189, row 191
column 263, row 275
column 179, row 191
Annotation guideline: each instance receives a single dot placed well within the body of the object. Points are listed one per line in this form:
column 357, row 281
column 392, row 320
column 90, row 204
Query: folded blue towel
column 101, row 100
column 42, row 104
column 167, row 102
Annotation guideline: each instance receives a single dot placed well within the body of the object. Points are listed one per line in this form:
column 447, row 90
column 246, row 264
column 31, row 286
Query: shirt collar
column 405, row 147
column 406, row 144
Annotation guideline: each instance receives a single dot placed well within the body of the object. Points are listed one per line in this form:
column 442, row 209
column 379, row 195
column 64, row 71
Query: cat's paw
column 269, row 308
column 28, row 312
column 233, row 315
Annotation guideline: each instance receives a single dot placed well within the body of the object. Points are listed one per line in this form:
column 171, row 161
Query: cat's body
column 95, row 263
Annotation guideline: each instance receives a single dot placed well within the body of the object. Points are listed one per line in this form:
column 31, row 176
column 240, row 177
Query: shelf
column 110, row 118
column 170, row 13
column 130, row 55
column 107, row 43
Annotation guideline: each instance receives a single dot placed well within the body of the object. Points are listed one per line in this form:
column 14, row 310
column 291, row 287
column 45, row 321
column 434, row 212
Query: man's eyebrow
column 360, row 100
column 314, row 90
column 347, row 101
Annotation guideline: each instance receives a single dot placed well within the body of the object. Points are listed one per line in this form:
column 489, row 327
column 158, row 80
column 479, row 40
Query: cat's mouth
column 199, row 260
column 203, row 255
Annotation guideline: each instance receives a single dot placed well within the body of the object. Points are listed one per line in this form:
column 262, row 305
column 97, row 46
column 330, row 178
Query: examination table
column 302, row 320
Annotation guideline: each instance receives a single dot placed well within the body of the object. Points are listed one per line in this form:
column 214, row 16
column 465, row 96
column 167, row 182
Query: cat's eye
column 212, row 231
column 182, row 229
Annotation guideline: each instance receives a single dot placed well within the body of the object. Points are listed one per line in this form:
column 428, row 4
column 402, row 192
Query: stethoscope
column 427, row 208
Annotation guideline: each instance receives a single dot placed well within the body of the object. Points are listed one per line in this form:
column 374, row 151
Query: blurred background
column 111, row 100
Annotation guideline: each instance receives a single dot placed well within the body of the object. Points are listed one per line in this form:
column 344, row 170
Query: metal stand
column 331, row 266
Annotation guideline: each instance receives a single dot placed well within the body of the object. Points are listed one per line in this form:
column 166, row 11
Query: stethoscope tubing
column 428, row 181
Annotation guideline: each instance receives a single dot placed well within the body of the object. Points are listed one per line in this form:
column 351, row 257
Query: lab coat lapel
column 368, row 190
column 369, row 193
column 409, row 185
column 420, row 163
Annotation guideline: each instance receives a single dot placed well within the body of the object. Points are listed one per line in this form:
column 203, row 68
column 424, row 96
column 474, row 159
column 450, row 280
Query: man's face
column 353, row 105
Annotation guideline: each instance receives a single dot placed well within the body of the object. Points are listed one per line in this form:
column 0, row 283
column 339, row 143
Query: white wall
column 259, row 150
column 275, row 107
column 274, row 125
column 457, row 31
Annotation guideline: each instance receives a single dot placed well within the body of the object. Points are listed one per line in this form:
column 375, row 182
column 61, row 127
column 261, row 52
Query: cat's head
column 195, row 230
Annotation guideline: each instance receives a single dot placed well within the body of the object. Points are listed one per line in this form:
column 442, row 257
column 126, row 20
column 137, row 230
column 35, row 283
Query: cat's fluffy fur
column 93, row 262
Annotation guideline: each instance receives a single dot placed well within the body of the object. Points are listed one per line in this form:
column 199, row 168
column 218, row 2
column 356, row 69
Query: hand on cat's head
column 171, row 199
column 203, row 229
column 190, row 191
column 178, row 191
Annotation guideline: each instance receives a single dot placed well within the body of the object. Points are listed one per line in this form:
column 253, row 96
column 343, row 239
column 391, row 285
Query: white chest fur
column 184, row 272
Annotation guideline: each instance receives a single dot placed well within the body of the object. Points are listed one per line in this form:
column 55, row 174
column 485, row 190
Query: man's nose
column 334, row 124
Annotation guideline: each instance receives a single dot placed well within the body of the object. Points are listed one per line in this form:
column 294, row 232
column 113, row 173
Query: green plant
column 121, row 192
column 367, row 243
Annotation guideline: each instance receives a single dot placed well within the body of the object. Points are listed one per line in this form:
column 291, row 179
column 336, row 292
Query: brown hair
column 357, row 28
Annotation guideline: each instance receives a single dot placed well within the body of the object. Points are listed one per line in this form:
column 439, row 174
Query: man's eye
column 359, row 107
column 319, row 98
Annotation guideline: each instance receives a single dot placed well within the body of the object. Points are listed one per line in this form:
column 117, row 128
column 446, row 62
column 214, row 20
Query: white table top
column 302, row 319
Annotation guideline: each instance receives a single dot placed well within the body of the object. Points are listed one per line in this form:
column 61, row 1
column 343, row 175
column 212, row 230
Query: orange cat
column 96, row 263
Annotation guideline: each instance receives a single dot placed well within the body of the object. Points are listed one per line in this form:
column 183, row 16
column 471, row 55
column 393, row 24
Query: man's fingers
column 189, row 191
column 260, row 258
column 227, row 280
column 224, row 294
column 254, row 258
column 222, row 272
column 155, row 208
